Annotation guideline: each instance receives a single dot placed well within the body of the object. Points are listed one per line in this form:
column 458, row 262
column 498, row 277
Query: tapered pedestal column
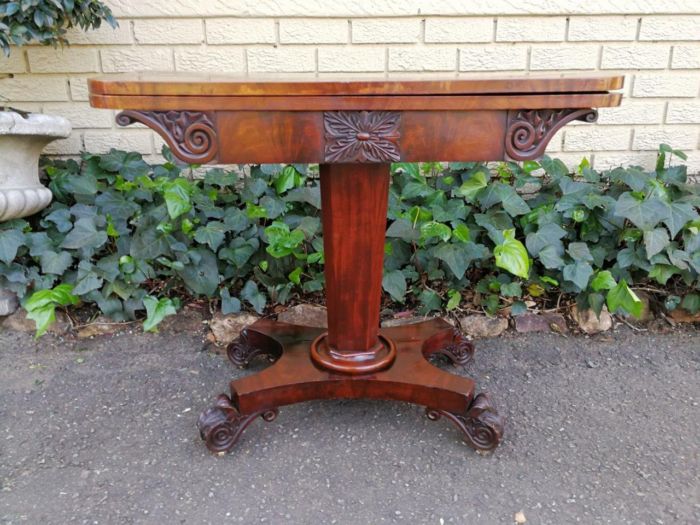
column 354, row 199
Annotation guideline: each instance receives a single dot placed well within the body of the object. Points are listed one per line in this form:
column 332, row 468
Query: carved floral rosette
column 529, row 131
column 362, row 136
column 190, row 134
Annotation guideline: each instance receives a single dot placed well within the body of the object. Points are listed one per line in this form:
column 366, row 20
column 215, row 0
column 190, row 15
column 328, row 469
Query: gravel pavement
column 599, row 430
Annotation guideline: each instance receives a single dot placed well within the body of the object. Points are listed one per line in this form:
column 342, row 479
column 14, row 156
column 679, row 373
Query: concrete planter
column 21, row 142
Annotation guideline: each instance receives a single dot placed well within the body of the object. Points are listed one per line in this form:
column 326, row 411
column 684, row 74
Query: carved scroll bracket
column 529, row 131
column 362, row 136
column 190, row 134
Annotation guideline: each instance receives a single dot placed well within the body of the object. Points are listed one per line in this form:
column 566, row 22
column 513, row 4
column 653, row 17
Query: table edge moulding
column 354, row 127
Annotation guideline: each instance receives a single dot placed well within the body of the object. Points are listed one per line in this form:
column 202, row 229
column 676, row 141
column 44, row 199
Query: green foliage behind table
column 137, row 240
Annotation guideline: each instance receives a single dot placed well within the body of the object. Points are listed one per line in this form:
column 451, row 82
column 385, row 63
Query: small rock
column 8, row 302
column 546, row 322
column 189, row 320
column 227, row 327
column 18, row 321
column 519, row 517
column 101, row 326
column 483, row 326
column 305, row 315
column 589, row 322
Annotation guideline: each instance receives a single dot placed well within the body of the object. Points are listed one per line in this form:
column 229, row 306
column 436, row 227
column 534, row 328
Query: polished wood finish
column 295, row 378
column 189, row 84
column 354, row 127
column 363, row 102
column 354, row 200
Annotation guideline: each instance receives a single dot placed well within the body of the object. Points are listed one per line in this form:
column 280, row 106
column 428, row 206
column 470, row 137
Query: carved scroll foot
column 482, row 425
column 221, row 425
column 241, row 351
column 458, row 349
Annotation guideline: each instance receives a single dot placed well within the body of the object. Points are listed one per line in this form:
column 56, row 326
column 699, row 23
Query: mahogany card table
column 354, row 127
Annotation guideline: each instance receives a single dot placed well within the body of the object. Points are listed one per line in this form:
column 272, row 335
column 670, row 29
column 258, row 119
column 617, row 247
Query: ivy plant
column 136, row 240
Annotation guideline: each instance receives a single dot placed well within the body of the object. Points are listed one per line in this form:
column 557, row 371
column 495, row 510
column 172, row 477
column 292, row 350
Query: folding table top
column 310, row 92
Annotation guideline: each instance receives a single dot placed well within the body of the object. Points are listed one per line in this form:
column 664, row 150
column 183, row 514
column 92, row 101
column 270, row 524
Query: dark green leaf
column 394, row 283
column 655, row 241
column 253, row 296
column 10, row 241
column 84, row 235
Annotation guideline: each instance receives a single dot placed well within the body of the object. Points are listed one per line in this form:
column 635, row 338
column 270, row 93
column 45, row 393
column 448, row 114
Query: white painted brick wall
column 343, row 59
column 670, row 28
column 686, row 57
column 501, row 57
column 169, row 31
column 66, row 60
column 640, row 56
column 386, row 31
column 560, row 58
column 240, row 31
column 656, row 44
column 534, row 29
column 598, row 28
column 458, row 30
column 683, row 112
column 210, row 59
column 316, row 31
column 428, row 58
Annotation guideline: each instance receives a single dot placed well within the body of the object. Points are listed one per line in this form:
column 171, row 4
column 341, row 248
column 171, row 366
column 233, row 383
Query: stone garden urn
column 22, row 139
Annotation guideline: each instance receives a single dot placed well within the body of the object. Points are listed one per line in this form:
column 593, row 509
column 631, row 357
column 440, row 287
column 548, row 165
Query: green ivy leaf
column 578, row 273
column 661, row 273
column 84, row 235
column 229, row 304
column 201, row 275
column 253, row 296
column 643, row 213
column 679, row 214
column 394, row 283
column 512, row 256
column 454, row 299
column 10, row 241
column 603, row 280
column 55, row 263
column 221, row 178
column 461, row 232
column 281, row 240
column 579, row 252
column 212, row 234
column 404, row 230
column 655, row 241
column 429, row 301
column 432, row 229
column 156, row 311
column 458, row 257
column 295, row 275
column 177, row 194
column 691, row 303
column 41, row 306
column 546, row 235
column 622, row 298
column 473, row 185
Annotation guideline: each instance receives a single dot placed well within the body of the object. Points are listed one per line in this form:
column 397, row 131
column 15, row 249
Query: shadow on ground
column 599, row 430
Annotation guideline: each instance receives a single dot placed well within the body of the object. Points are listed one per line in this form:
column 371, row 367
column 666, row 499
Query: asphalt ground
column 599, row 430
